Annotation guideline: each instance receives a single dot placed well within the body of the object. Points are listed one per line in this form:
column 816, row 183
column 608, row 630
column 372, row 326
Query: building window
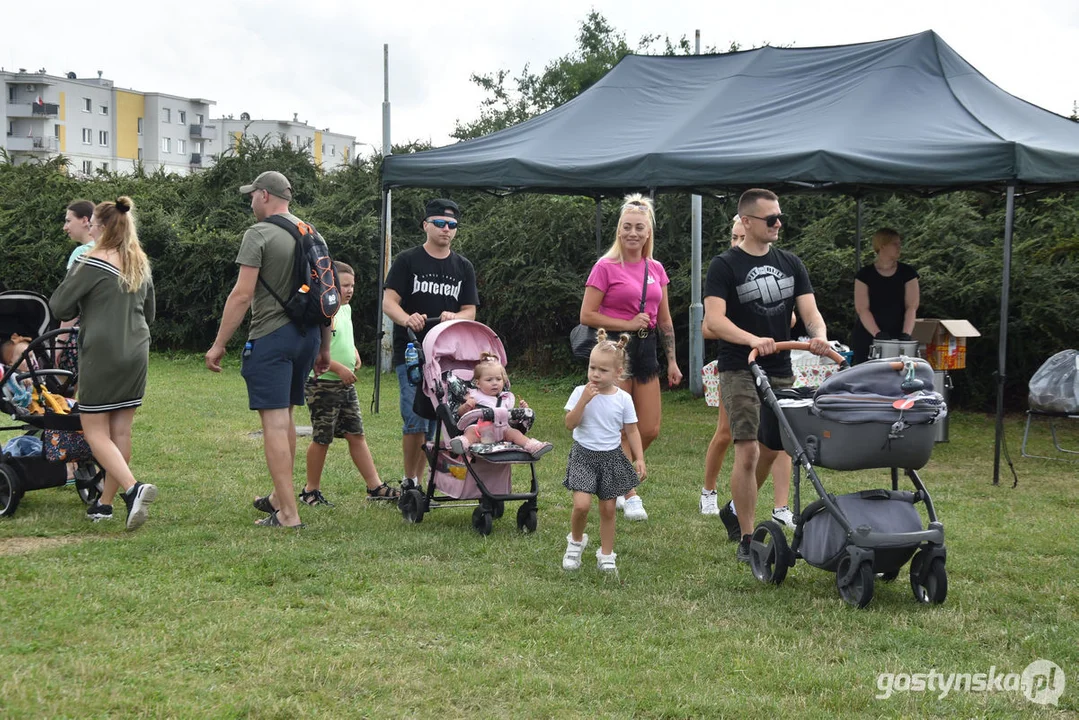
column 87, row 105
column 166, row 114
column 140, row 155
column 104, row 109
column 103, row 138
column 181, row 117
column 166, row 145
column 181, row 146
column 87, row 167
column 104, row 167
column 140, row 126
column 333, row 150
column 11, row 93
column 199, row 119
column 56, row 131
column 87, row 136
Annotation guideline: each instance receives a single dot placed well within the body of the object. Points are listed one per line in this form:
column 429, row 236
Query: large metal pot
column 893, row 348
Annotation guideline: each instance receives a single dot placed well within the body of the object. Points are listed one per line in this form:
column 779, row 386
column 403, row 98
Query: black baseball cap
column 441, row 207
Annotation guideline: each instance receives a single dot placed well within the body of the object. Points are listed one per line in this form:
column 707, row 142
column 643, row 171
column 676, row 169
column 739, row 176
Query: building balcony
column 204, row 132
column 31, row 144
column 33, row 110
column 196, row 159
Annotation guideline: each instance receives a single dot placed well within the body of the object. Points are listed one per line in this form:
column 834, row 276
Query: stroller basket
column 824, row 541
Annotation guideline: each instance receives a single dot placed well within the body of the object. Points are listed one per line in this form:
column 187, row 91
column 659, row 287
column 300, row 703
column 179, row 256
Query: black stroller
column 36, row 399
column 880, row 414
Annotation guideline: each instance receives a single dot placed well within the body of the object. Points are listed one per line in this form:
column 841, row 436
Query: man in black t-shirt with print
column 750, row 291
column 426, row 282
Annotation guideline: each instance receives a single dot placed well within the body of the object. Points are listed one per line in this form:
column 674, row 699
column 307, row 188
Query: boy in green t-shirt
column 335, row 408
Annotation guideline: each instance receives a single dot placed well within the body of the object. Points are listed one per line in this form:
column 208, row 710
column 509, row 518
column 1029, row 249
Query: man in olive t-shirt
column 278, row 355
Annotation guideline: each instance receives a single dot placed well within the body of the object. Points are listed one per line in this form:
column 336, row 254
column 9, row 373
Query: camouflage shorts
column 335, row 410
column 743, row 406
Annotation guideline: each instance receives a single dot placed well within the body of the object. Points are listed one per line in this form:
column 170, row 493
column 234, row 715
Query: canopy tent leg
column 858, row 234
column 1002, row 347
column 696, row 308
column 599, row 226
column 383, row 259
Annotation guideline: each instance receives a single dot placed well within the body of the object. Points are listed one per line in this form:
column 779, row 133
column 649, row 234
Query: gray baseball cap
column 272, row 182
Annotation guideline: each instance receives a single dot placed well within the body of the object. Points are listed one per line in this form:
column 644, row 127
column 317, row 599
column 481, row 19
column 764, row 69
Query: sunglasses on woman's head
column 444, row 223
column 769, row 220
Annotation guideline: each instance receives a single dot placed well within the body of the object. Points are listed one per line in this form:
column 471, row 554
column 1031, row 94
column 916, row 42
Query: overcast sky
column 323, row 59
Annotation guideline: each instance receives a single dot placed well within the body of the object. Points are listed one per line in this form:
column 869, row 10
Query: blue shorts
column 413, row 423
column 277, row 365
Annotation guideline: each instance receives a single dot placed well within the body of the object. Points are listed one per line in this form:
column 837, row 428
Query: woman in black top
column 885, row 296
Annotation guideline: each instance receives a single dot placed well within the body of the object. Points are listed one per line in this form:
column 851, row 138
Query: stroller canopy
column 23, row 312
column 457, row 345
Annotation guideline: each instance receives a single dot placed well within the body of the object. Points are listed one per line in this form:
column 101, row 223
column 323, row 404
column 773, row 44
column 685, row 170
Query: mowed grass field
column 200, row 614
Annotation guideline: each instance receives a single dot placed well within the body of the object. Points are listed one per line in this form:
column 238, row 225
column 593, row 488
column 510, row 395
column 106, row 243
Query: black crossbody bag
column 583, row 338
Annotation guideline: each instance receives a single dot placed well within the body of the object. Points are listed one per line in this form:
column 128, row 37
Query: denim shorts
column 276, row 366
column 413, row 423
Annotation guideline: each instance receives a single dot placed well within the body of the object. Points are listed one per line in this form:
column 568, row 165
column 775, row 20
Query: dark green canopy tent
column 902, row 114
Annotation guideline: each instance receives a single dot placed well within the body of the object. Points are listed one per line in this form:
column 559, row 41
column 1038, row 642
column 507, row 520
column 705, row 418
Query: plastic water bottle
column 412, row 364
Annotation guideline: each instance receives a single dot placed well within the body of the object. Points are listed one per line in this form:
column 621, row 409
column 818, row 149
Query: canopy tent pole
column 383, row 259
column 1009, row 219
column 384, row 344
column 696, row 308
column 858, row 234
column 599, row 226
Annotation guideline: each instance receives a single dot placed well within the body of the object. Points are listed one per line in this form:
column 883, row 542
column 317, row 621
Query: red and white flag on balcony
column 39, row 101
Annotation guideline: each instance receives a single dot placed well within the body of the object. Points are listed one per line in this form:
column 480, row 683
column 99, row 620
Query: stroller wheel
column 769, row 554
column 499, row 507
column 411, row 505
column 859, row 590
column 482, row 522
column 89, row 481
column 527, row 519
column 935, row 587
column 10, row 490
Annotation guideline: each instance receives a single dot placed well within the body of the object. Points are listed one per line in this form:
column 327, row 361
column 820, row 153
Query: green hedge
column 533, row 252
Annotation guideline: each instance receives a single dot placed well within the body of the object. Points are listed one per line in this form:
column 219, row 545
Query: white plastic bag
column 1055, row 387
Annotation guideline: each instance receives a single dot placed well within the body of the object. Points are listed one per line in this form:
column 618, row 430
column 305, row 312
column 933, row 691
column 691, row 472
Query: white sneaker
column 572, row 559
column 605, row 563
column 783, row 516
column 634, row 509
column 620, row 502
column 709, row 503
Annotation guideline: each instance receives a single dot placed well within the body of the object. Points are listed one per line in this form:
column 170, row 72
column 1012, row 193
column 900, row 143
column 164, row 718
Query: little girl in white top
column 598, row 413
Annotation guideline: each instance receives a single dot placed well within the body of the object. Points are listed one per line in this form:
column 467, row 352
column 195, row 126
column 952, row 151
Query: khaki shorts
column 335, row 410
column 750, row 420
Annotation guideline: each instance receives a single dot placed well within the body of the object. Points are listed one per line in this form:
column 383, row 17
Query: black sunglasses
column 770, row 220
column 443, row 223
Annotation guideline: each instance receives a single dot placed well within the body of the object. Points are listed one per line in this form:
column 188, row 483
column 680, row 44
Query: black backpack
column 315, row 296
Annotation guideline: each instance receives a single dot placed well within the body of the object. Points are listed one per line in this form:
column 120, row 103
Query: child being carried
column 489, row 382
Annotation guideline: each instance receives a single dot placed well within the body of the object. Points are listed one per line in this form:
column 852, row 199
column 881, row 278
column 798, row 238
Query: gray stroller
column 880, row 414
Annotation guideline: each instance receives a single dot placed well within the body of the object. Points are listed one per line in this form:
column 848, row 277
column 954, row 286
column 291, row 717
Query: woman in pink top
column 612, row 300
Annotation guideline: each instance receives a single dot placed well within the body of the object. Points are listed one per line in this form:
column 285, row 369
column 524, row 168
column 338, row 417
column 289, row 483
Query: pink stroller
column 450, row 351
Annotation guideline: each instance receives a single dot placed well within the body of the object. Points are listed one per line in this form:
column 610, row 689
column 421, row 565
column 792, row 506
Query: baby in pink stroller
column 489, row 389
column 463, row 365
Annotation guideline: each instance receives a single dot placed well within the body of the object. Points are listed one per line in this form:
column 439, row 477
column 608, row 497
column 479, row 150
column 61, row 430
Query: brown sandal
column 383, row 492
